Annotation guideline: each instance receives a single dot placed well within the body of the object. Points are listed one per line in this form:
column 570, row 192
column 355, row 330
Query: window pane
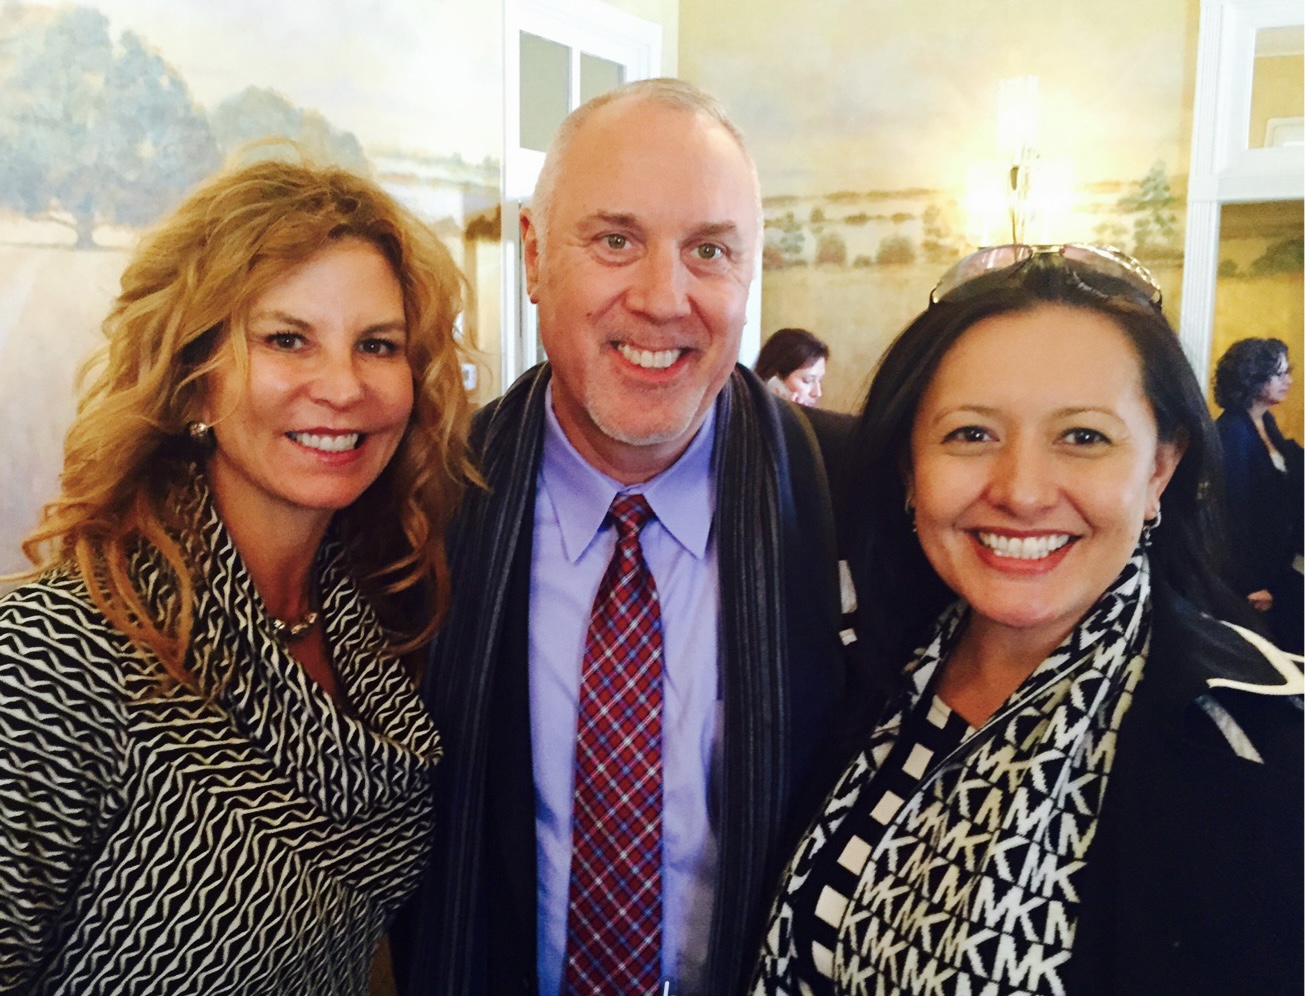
column 598, row 76
column 545, row 89
column 1278, row 90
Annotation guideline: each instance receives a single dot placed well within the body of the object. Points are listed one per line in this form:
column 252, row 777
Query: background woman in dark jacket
column 1263, row 482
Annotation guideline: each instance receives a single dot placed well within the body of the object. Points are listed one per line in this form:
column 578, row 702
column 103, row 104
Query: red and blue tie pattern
column 614, row 921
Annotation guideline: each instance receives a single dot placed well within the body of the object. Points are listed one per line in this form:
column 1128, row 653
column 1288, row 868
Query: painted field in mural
column 110, row 112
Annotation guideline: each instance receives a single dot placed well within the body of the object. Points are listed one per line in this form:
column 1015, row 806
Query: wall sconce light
column 1012, row 197
column 1017, row 136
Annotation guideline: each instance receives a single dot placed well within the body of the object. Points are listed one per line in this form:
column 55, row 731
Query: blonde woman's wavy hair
column 189, row 282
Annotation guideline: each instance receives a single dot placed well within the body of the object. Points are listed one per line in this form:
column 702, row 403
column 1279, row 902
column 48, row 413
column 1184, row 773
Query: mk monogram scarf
column 971, row 888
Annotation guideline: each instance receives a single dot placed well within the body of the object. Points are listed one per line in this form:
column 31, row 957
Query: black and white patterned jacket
column 167, row 842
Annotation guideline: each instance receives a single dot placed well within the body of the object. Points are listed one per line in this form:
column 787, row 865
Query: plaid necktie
column 614, row 922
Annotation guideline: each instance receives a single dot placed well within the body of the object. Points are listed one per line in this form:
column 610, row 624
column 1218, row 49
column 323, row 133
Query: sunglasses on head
column 1084, row 260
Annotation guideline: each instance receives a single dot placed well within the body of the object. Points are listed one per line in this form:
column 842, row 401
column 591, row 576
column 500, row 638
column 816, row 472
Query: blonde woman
column 213, row 769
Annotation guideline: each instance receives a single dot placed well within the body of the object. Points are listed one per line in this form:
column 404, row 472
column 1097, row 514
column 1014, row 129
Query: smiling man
column 639, row 250
column 640, row 264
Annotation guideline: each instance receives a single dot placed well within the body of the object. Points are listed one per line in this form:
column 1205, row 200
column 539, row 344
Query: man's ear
column 530, row 252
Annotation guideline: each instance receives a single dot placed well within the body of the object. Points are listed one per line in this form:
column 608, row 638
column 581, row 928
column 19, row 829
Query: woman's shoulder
column 52, row 624
column 56, row 592
column 1235, row 423
column 1218, row 653
column 1251, row 691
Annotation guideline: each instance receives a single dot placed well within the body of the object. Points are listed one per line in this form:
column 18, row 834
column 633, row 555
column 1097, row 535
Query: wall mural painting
column 885, row 134
column 110, row 113
column 830, row 259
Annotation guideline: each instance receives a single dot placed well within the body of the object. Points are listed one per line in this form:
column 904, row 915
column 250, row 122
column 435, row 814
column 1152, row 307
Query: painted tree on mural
column 257, row 112
column 1282, row 256
column 1155, row 222
column 831, row 250
column 938, row 243
column 895, row 250
column 784, row 243
column 93, row 131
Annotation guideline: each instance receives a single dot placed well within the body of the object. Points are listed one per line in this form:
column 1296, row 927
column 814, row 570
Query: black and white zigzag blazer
column 166, row 842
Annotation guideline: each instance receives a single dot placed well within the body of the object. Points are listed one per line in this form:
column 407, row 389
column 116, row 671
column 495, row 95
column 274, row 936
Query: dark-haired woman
column 1263, row 484
column 1074, row 779
column 792, row 363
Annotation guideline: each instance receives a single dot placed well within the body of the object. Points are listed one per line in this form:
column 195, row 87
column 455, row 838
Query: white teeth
column 1026, row 548
column 649, row 360
column 327, row 444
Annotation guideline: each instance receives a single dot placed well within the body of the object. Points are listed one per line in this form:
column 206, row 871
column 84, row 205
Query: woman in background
column 1070, row 779
column 1263, row 482
column 215, row 770
column 792, row 363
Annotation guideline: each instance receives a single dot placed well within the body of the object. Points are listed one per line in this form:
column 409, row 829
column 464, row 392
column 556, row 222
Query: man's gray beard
column 651, row 439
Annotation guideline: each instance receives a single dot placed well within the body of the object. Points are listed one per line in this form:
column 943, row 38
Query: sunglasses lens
column 977, row 264
column 1091, row 264
column 1105, row 262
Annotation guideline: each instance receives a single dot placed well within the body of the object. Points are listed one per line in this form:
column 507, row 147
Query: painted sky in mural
column 399, row 74
column 898, row 94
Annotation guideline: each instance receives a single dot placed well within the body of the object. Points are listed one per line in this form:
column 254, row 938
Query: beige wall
column 663, row 12
column 1277, row 92
column 865, row 120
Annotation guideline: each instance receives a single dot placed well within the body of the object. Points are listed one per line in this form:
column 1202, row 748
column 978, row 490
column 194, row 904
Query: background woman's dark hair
column 788, row 350
column 899, row 592
column 1244, row 369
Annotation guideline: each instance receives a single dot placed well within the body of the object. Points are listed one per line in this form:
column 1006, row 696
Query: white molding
column 1200, row 272
column 1224, row 169
column 584, row 26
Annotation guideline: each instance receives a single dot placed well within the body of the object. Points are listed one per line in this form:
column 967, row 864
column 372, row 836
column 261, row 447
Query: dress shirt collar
column 582, row 495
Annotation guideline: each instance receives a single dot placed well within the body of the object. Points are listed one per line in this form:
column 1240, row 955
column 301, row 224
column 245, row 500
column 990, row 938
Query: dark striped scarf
column 754, row 443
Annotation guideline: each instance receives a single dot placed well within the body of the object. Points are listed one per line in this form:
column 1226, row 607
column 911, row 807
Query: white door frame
column 587, row 26
column 1223, row 169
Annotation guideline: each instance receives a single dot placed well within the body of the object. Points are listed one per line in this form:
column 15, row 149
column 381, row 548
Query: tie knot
column 630, row 513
